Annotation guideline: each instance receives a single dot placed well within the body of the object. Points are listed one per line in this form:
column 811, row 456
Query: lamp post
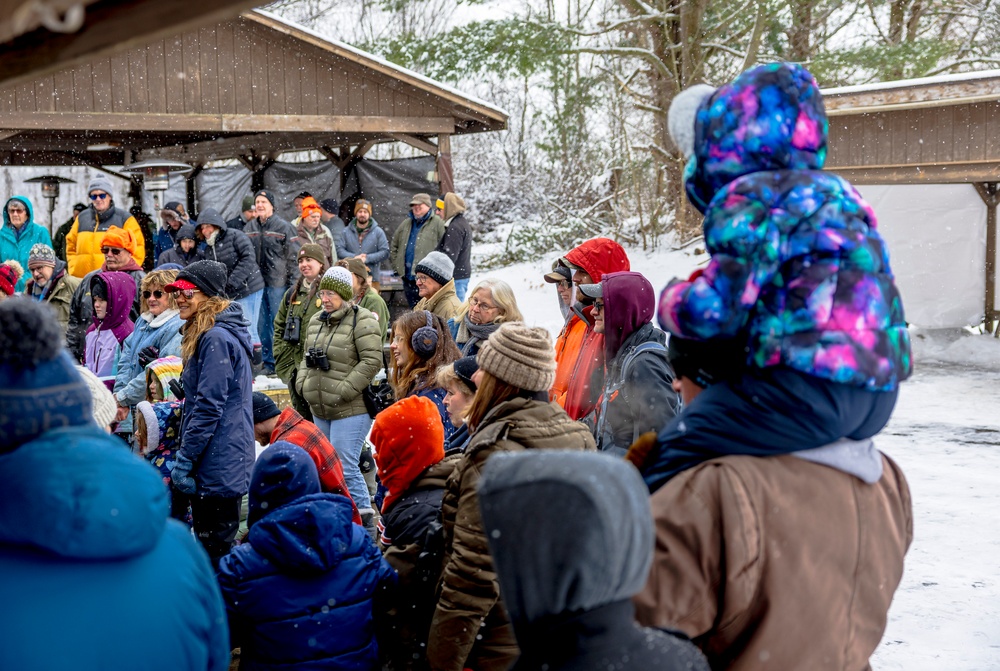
column 155, row 175
column 50, row 192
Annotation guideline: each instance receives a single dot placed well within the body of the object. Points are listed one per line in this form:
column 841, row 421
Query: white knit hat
column 105, row 407
column 145, row 408
column 681, row 117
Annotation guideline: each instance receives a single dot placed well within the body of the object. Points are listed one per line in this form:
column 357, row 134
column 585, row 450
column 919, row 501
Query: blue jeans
column 265, row 323
column 462, row 288
column 251, row 310
column 348, row 437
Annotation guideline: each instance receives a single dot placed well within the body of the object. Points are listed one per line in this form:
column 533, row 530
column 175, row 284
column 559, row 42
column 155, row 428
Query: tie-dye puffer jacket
column 797, row 268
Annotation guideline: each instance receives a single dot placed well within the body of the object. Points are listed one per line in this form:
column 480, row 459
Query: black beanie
column 209, row 276
column 706, row 362
column 267, row 194
column 465, row 368
column 264, row 408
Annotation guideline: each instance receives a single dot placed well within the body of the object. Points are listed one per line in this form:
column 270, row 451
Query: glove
column 180, row 475
column 148, row 355
column 366, row 463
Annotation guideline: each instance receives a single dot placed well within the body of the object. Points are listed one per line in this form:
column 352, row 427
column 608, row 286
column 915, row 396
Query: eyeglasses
column 156, row 294
column 324, row 293
column 564, row 284
column 599, row 306
column 421, row 279
column 113, row 251
column 481, row 306
column 98, row 196
column 16, row 210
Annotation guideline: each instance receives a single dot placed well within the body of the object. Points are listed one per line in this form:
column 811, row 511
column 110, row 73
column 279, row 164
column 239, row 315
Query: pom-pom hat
column 11, row 273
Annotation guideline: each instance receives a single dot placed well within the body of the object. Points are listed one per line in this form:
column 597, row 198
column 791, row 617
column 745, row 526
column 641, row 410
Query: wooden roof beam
column 224, row 123
column 416, row 143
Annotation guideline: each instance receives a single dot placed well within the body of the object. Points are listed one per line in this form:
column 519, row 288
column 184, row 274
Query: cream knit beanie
column 519, row 355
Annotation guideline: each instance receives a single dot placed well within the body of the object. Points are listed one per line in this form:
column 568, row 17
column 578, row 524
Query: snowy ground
column 945, row 434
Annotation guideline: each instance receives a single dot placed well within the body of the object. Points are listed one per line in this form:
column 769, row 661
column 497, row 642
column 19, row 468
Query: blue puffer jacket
column 84, row 538
column 16, row 248
column 218, row 422
column 162, row 332
column 299, row 593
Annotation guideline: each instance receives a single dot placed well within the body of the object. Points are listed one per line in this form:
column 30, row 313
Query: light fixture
column 50, row 190
column 104, row 146
column 156, row 175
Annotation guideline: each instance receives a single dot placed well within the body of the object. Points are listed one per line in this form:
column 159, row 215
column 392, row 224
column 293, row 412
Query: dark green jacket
column 351, row 339
column 295, row 303
column 374, row 303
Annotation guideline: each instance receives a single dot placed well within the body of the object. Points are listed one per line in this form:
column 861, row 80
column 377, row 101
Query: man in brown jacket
column 776, row 562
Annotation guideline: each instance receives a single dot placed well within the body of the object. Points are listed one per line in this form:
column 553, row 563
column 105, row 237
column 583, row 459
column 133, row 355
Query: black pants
column 411, row 291
column 216, row 520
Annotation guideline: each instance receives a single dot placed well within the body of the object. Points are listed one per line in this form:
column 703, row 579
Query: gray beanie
column 100, row 183
column 520, row 355
column 550, row 563
column 437, row 266
column 41, row 255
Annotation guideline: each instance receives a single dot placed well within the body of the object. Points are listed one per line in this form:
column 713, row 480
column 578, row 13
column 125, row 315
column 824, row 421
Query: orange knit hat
column 120, row 238
column 409, row 438
column 309, row 205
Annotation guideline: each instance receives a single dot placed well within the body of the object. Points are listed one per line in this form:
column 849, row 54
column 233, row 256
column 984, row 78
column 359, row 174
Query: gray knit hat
column 338, row 279
column 520, row 355
column 437, row 266
column 100, row 183
column 41, row 255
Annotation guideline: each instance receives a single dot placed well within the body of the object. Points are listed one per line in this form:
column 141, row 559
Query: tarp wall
column 937, row 245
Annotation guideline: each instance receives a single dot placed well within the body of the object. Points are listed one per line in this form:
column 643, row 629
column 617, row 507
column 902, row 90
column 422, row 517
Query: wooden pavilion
column 247, row 88
column 939, row 130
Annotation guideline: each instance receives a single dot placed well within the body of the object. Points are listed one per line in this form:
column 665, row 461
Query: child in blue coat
column 299, row 593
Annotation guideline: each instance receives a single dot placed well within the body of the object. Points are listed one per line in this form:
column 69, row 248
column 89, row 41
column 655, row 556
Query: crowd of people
column 691, row 484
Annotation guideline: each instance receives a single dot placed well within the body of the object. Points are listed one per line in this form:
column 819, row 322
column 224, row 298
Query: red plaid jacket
column 297, row 430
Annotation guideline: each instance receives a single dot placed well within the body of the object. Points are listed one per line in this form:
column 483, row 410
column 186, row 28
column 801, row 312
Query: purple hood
column 121, row 294
column 630, row 304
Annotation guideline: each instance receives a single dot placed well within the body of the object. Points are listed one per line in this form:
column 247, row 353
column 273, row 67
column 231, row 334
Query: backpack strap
column 612, row 388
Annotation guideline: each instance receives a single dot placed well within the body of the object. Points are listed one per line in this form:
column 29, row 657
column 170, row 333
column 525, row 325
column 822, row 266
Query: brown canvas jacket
column 444, row 303
column 777, row 562
column 470, row 628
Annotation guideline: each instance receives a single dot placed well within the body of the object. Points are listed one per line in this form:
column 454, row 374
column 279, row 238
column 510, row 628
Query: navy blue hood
column 311, row 535
column 233, row 320
column 282, row 474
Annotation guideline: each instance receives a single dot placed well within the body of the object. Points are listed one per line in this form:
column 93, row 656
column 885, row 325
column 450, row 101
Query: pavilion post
column 988, row 191
column 446, row 175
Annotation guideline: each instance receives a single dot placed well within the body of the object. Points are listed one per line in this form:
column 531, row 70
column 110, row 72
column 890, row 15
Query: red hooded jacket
column 595, row 257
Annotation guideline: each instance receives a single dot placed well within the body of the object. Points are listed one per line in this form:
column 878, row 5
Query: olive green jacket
column 470, row 628
column 295, row 303
column 351, row 339
column 428, row 237
column 374, row 303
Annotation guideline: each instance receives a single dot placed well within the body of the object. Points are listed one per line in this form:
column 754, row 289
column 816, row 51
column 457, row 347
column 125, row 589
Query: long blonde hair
column 502, row 294
column 202, row 320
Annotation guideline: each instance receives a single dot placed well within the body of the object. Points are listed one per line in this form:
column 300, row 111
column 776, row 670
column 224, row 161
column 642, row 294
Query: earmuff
column 424, row 340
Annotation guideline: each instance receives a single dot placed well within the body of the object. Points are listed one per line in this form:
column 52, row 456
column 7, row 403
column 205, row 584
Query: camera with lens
column 293, row 330
column 316, row 358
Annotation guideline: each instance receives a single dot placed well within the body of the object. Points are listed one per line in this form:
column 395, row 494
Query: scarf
column 470, row 334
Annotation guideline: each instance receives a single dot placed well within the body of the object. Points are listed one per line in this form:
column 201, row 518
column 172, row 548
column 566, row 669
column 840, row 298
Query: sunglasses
column 98, row 196
column 599, row 307
column 188, row 293
column 155, row 294
column 113, row 251
column 16, row 210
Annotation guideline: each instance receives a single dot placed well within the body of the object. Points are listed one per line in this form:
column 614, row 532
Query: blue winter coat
column 217, row 427
column 16, row 248
column 165, row 241
column 375, row 246
column 437, row 395
column 93, row 574
column 162, row 332
column 299, row 592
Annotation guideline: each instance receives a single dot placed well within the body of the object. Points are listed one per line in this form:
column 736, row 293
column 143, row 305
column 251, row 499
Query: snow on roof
column 381, row 62
column 908, row 83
